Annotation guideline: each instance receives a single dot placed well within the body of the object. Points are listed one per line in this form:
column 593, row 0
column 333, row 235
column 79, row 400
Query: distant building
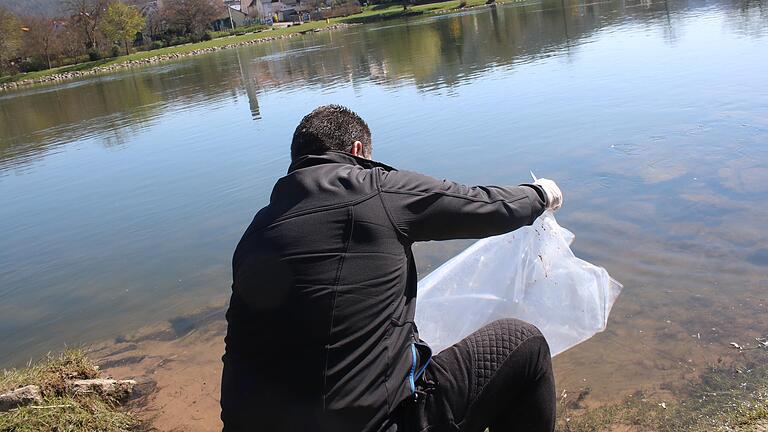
column 237, row 4
column 284, row 9
column 238, row 17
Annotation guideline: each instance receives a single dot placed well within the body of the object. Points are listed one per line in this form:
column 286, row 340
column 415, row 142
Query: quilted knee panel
column 491, row 345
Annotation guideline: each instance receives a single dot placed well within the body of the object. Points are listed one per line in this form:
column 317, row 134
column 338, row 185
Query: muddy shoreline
column 180, row 362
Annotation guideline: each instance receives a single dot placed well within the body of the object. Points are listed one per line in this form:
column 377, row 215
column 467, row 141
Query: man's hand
column 552, row 192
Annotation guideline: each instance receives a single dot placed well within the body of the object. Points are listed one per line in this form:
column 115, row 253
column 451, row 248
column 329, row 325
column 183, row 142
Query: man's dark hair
column 330, row 127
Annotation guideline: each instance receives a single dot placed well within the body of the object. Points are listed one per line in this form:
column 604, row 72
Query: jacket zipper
column 423, row 368
column 411, row 378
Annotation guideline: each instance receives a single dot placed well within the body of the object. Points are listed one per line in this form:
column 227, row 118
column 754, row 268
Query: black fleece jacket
column 320, row 323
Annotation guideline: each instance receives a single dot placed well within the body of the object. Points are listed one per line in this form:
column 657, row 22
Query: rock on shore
column 117, row 389
column 106, row 387
column 26, row 395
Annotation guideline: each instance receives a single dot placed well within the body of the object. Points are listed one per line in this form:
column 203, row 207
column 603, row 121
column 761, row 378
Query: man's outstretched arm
column 425, row 208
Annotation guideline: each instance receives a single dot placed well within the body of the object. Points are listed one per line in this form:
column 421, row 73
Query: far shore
column 143, row 58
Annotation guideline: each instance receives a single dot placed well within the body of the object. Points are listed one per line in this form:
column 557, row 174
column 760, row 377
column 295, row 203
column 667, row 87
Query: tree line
column 96, row 29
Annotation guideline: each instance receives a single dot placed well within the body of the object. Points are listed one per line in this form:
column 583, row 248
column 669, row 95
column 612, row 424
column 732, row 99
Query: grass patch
column 239, row 30
column 390, row 11
column 733, row 398
column 60, row 411
column 61, row 69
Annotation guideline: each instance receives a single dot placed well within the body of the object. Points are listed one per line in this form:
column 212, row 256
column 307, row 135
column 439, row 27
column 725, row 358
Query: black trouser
column 499, row 377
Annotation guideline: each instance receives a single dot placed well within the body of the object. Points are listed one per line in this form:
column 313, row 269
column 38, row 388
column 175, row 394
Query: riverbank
column 67, row 393
column 142, row 58
column 178, row 389
column 729, row 396
column 182, row 358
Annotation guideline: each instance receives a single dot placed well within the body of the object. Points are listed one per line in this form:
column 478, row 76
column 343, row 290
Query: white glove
column 552, row 193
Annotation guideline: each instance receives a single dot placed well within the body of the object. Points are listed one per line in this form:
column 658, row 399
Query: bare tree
column 193, row 16
column 86, row 15
column 11, row 32
column 43, row 40
column 155, row 22
column 69, row 40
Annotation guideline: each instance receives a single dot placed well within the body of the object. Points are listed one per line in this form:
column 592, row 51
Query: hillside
column 49, row 8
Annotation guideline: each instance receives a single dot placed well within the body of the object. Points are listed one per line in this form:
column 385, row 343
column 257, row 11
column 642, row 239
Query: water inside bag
column 530, row 274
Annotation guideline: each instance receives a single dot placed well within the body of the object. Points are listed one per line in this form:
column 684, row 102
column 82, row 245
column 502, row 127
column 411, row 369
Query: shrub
column 206, row 36
column 94, row 55
column 114, row 51
column 252, row 28
column 156, row 45
column 177, row 40
column 32, row 64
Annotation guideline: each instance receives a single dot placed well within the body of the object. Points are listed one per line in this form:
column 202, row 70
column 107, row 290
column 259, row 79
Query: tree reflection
column 427, row 53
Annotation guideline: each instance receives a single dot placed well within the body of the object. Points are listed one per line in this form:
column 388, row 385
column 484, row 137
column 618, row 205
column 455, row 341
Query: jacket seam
column 323, row 208
column 539, row 193
column 452, row 195
column 534, row 216
column 532, row 205
column 391, row 218
column 351, row 222
column 377, row 183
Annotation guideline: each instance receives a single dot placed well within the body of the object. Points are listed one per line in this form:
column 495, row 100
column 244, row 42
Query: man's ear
column 357, row 149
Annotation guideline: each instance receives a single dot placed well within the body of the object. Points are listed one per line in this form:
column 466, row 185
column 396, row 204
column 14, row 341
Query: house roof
column 225, row 14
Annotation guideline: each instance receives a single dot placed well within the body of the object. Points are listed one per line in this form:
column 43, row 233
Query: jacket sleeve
column 424, row 208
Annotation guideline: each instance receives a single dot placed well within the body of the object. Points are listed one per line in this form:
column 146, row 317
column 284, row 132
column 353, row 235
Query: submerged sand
column 179, row 362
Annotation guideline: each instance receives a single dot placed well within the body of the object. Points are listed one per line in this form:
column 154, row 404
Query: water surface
column 122, row 196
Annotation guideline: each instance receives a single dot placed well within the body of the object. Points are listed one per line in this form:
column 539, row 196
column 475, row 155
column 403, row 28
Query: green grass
column 60, row 69
column 239, row 31
column 369, row 14
column 731, row 398
column 60, row 411
column 381, row 12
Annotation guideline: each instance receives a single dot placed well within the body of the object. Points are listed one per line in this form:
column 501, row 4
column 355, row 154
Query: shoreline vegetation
column 727, row 396
column 66, row 392
column 369, row 14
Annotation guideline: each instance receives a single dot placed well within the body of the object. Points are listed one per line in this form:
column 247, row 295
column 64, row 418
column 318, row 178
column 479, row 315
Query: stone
column 117, row 389
column 20, row 397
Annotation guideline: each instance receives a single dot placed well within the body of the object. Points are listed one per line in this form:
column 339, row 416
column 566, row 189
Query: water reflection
column 123, row 195
column 430, row 53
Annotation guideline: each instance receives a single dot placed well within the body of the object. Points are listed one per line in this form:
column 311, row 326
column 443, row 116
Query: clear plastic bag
column 530, row 274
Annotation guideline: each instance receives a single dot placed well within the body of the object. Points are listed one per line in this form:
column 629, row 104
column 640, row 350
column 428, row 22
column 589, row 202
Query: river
column 122, row 196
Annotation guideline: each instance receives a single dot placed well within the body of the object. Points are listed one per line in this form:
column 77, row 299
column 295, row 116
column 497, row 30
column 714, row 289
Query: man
column 321, row 334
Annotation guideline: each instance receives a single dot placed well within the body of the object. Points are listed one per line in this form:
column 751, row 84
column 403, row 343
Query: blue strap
column 423, row 368
column 411, row 377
